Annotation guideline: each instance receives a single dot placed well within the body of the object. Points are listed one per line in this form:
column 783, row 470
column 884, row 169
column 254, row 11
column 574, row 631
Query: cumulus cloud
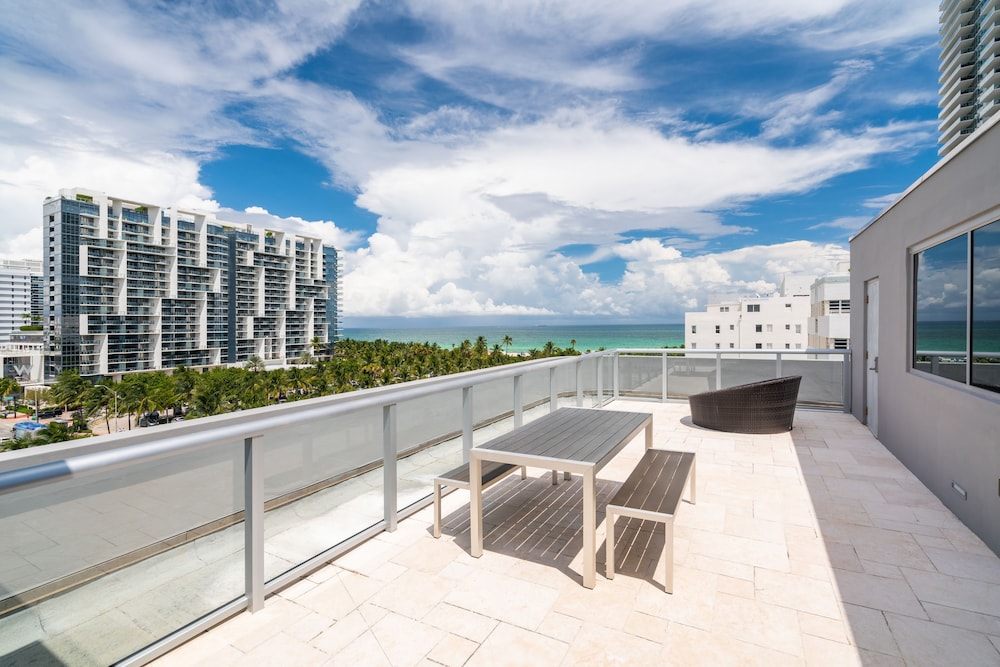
column 536, row 149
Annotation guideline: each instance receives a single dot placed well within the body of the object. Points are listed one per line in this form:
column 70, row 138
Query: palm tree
column 9, row 387
column 254, row 363
column 507, row 342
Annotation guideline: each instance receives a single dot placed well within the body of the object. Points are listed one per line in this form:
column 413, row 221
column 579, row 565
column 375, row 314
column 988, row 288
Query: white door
column 871, row 355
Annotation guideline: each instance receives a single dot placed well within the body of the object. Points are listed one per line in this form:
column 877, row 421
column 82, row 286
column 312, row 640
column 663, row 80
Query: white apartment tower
column 131, row 286
column 20, row 280
column 830, row 319
column 970, row 68
column 775, row 322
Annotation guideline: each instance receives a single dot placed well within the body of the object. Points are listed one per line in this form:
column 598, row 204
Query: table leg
column 476, row 506
column 649, row 434
column 589, row 529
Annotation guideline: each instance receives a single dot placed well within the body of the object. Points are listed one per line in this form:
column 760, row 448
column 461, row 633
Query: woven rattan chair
column 758, row 407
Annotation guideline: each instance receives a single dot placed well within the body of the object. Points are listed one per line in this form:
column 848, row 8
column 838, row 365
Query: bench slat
column 460, row 475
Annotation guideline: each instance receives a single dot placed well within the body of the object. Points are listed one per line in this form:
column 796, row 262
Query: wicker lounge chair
column 758, row 407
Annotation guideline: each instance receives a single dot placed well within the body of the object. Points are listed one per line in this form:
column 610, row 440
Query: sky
column 486, row 160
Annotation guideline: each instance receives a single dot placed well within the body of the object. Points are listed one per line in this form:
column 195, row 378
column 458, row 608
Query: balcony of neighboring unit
column 958, row 118
column 952, row 71
column 960, row 12
column 955, row 138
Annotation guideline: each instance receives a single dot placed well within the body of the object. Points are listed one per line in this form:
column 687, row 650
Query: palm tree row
column 351, row 365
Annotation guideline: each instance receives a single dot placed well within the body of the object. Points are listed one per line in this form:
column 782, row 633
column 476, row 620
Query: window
column 788, row 327
column 798, row 328
column 753, row 307
column 758, row 346
column 788, row 305
column 694, row 328
column 951, row 326
column 716, row 346
column 732, row 327
column 836, row 307
column 694, row 346
column 770, row 329
column 769, row 346
column 759, row 328
column 723, row 309
column 718, row 328
column 732, row 346
column 788, row 346
column 840, row 343
column 798, row 346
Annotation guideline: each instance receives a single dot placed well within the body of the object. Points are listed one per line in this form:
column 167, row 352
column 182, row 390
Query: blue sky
column 487, row 160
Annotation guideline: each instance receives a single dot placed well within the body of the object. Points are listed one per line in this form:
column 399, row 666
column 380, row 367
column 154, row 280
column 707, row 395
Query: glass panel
column 492, row 409
column 105, row 564
column 940, row 309
column 588, row 380
column 986, row 306
column 690, row 374
column 746, row 368
column 566, row 385
column 608, row 376
column 822, row 377
column 535, row 394
column 430, row 442
column 641, row 375
column 323, row 484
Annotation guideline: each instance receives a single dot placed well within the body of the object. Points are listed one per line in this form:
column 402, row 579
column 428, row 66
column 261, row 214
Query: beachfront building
column 777, row 321
column 20, row 281
column 926, row 331
column 830, row 316
column 132, row 286
column 970, row 68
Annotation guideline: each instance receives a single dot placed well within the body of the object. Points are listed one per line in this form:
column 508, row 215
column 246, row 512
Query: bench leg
column 437, row 509
column 567, row 475
column 555, row 477
column 609, row 542
column 668, row 550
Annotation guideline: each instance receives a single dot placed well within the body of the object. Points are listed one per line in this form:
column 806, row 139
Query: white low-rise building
column 830, row 319
column 775, row 321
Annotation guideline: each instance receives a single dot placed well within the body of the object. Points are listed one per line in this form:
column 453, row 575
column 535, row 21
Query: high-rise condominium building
column 132, row 286
column 20, row 280
column 970, row 68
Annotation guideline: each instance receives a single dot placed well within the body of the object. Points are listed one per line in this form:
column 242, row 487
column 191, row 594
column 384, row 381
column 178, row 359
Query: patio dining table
column 574, row 440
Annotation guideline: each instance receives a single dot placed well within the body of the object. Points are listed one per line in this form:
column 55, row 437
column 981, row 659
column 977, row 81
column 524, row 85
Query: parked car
column 49, row 413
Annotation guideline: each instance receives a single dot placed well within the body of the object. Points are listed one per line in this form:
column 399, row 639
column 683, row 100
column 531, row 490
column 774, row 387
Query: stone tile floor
column 815, row 547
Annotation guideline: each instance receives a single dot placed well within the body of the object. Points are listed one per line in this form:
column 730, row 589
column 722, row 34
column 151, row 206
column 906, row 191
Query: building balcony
column 812, row 547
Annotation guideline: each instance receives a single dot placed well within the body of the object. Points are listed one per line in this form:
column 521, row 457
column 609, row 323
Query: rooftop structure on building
column 134, row 286
column 970, row 68
column 830, row 311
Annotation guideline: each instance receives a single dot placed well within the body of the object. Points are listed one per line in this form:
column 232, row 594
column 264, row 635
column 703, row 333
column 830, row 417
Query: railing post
column 389, row 457
column 600, row 380
column 579, row 383
column 615, row 367
column 778, row 365
column 518, row 403
column 663, row 369
column 718, row 370
column 253, row 522
column 467, row 418
column 847, row 381
column 553, row 393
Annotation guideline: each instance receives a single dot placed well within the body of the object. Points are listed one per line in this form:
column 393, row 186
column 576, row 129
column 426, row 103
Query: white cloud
column 851, row 223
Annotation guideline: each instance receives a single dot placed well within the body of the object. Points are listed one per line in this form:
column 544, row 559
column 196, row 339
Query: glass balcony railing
column 118, row 548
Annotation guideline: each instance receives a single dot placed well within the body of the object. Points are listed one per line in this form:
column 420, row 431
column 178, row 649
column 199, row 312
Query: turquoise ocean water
column 587, row 337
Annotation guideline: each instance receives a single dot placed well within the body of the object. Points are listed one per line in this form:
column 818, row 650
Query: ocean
column 587, row 337
column 937, row 336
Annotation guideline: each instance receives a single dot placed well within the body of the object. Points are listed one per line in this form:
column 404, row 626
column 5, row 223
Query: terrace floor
column 815, row 547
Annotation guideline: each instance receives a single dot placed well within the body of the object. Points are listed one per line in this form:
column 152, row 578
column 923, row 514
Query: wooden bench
column 652, row 492
column 459, row 478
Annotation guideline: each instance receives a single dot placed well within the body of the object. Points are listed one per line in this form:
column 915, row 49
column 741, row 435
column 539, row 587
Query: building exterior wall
column 830, row 316
column 942, row 430
column 970, row 68
column 17, row 279
column 132, row 286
